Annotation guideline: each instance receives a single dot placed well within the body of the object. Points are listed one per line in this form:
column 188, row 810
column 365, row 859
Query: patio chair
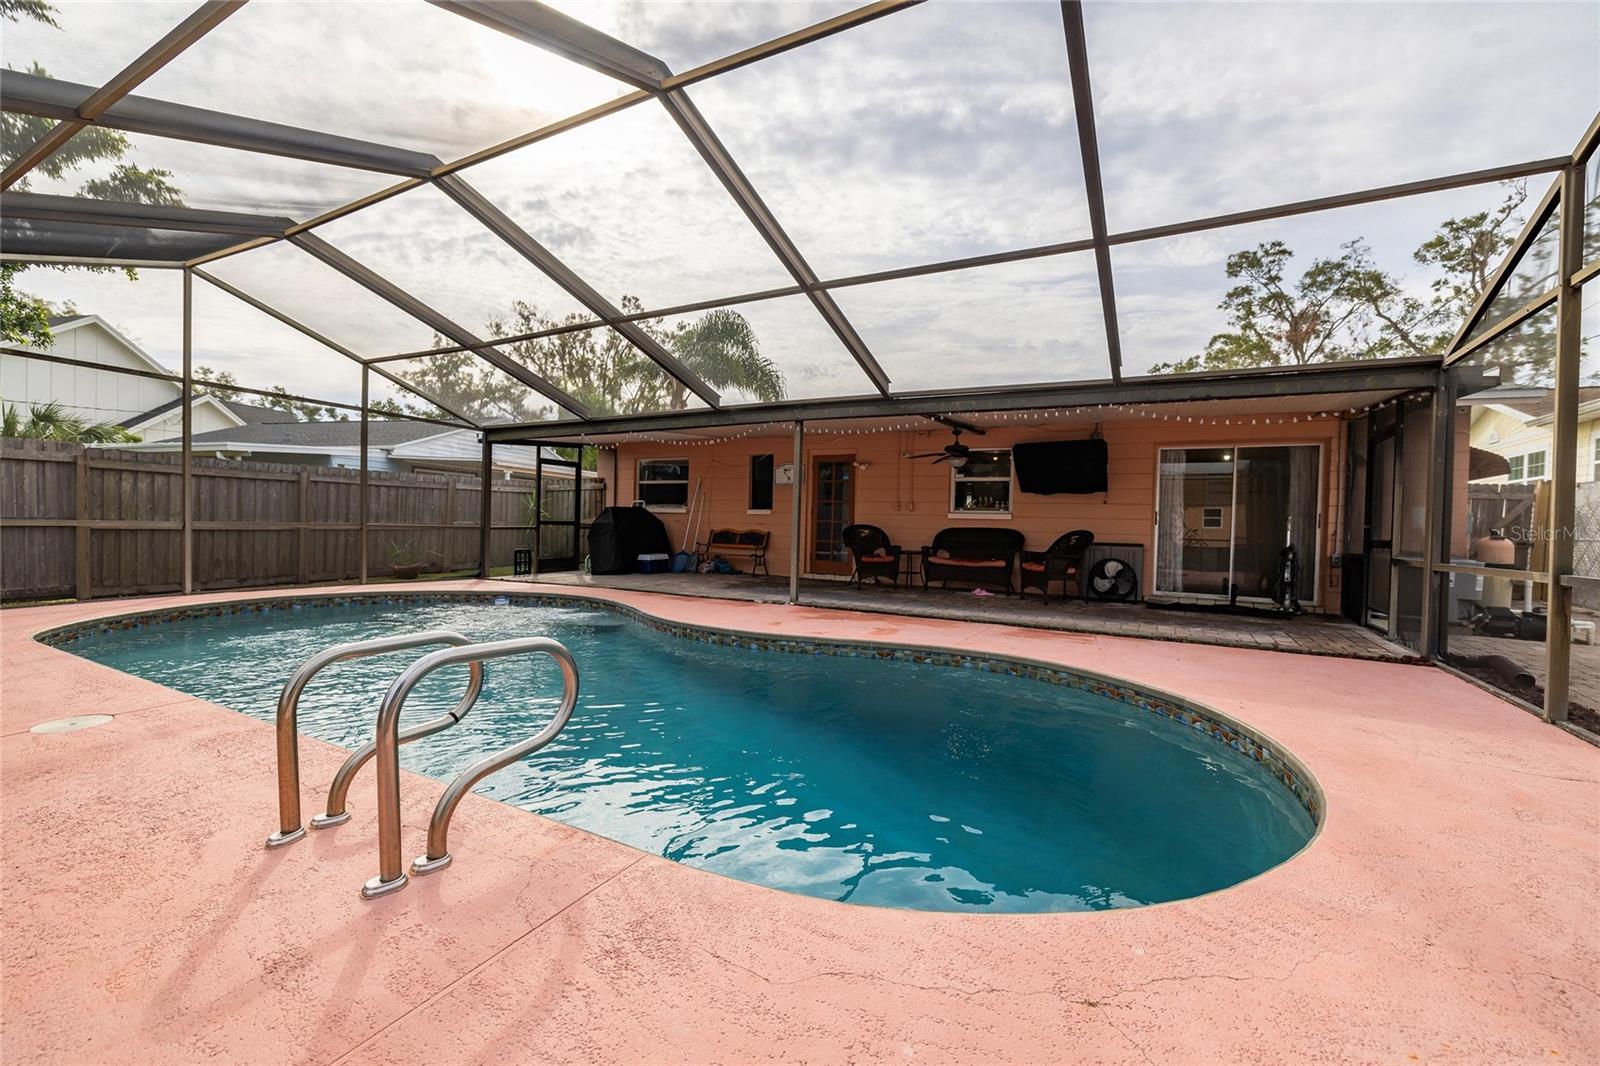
column 1062, row 561
column 874, row 556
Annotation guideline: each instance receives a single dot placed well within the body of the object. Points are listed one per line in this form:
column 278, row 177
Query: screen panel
column 471, row 387
column 1203, row 109
column 403, row 73
column 186, row 173
column 1534, row 274
column 1591, row 209
column 935, row 133
column 1324, row 287
column 765, row 351
column 684, row 33
column 87, row 41
column 424, row 242
column 604, row 371
column 1036, row 320
column 628, row 203
column 235, row 343
column 299, row 285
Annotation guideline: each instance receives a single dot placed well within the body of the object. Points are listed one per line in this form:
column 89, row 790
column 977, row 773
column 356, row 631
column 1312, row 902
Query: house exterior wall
column 170, row 425
column 911, row 499
column 93, row 395
column 1505, row 434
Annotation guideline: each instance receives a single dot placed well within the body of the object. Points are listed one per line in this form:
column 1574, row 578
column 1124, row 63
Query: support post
column 1432, row 521
column 485, row 508
column 538, row 506
column 361, row 500
column 796, row 504
column 83, row 556
column 1441, row 522
column 577, row 513
column 186, row 487
column 302, row 540
column 1564, row 446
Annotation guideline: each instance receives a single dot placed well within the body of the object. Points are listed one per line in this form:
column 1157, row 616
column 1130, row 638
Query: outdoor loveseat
column 973, row 555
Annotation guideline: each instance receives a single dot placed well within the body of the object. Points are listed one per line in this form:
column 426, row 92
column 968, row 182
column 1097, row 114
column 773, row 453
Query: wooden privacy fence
column 87, row 522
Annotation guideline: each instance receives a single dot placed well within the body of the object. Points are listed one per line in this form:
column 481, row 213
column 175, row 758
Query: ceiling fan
column 955, row 453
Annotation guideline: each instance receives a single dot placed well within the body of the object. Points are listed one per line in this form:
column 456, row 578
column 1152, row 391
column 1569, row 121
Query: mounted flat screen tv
column 1046, row 468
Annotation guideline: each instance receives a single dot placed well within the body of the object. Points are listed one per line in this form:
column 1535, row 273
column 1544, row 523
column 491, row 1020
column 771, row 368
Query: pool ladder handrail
column 289, row 827
column 386, row 735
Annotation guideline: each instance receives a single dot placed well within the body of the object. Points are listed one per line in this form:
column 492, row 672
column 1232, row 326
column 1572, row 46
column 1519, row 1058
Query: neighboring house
column 152, row 409
column 1516, row 423
column 394, row 445
column 147, row 407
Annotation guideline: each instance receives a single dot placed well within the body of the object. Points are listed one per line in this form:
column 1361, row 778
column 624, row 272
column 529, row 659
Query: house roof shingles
column 1544, row 405
column 287, row 431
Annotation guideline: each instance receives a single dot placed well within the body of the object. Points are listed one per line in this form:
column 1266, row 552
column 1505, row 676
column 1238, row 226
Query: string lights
column 1151, row 412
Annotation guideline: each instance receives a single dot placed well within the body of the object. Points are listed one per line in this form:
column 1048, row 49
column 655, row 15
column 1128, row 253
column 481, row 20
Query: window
column 761, row 483
column 664, row 483
column 1211, row 518
column 982, row 485
column 1528, row 467
column 1596, row 449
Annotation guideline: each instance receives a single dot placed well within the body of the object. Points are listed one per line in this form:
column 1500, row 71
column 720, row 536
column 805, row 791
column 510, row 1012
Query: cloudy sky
column 941, row 131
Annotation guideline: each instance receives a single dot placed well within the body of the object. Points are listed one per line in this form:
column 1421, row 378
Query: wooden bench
column 751, row 542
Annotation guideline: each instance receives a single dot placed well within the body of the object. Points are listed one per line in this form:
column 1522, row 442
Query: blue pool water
column 879, row 782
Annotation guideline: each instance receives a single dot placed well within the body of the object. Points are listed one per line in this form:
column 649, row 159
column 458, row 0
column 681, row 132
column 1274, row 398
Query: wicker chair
column 874, row 556
column 1062, row 561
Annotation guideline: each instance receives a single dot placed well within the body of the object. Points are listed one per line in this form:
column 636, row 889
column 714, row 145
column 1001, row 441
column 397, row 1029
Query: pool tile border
column 1285, row 768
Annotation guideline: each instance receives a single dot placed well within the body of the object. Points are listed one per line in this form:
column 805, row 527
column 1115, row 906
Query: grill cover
column 620, row 535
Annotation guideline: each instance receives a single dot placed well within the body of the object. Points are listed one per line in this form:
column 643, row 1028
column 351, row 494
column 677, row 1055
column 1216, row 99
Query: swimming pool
column 854, row 774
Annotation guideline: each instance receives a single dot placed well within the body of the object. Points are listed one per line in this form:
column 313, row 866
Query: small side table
column 911, row 564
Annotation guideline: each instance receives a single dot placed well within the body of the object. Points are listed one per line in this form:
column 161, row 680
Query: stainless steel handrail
column 339, row 790
column 289, row 827
column 391, row 876
column 438, row 856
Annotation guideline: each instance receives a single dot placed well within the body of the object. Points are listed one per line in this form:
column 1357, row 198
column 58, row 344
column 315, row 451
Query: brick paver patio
column 1312, row 634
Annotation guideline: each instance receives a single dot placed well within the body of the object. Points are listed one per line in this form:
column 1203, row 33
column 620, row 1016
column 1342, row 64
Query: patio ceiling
column 912, row 210
column 1275, row 408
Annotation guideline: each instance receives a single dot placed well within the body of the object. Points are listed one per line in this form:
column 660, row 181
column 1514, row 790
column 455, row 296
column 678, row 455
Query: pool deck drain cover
column 68, row 725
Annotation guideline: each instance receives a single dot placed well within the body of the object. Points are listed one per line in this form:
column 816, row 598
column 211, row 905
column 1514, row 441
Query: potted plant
column 406, row 561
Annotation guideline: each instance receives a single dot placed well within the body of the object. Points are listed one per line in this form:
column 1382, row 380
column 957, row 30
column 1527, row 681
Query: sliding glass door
column 1225, row 515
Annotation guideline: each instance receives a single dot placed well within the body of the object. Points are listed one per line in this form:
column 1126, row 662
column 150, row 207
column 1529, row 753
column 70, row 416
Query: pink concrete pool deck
column 1449, row 911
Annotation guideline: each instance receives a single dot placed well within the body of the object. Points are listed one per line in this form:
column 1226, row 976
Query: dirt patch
column 1579, row 714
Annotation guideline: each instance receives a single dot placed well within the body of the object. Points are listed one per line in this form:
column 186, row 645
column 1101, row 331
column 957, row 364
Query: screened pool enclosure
column 582, row 224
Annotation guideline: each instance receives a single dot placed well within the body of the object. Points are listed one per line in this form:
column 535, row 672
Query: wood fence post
column 447, row 558
column 82, row 567
column 302, row 553
column 486, row 510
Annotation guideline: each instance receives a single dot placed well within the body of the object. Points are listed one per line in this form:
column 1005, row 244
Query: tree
column 597, row 367
column 721, row 347
column 49, row 421
column 224, row 385
column 24, row 318
column 1344, row 307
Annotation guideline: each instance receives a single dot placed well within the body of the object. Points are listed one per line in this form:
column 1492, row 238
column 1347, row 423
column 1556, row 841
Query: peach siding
column 911, row 499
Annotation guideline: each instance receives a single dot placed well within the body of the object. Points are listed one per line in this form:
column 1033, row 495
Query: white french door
column 1224, row 515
